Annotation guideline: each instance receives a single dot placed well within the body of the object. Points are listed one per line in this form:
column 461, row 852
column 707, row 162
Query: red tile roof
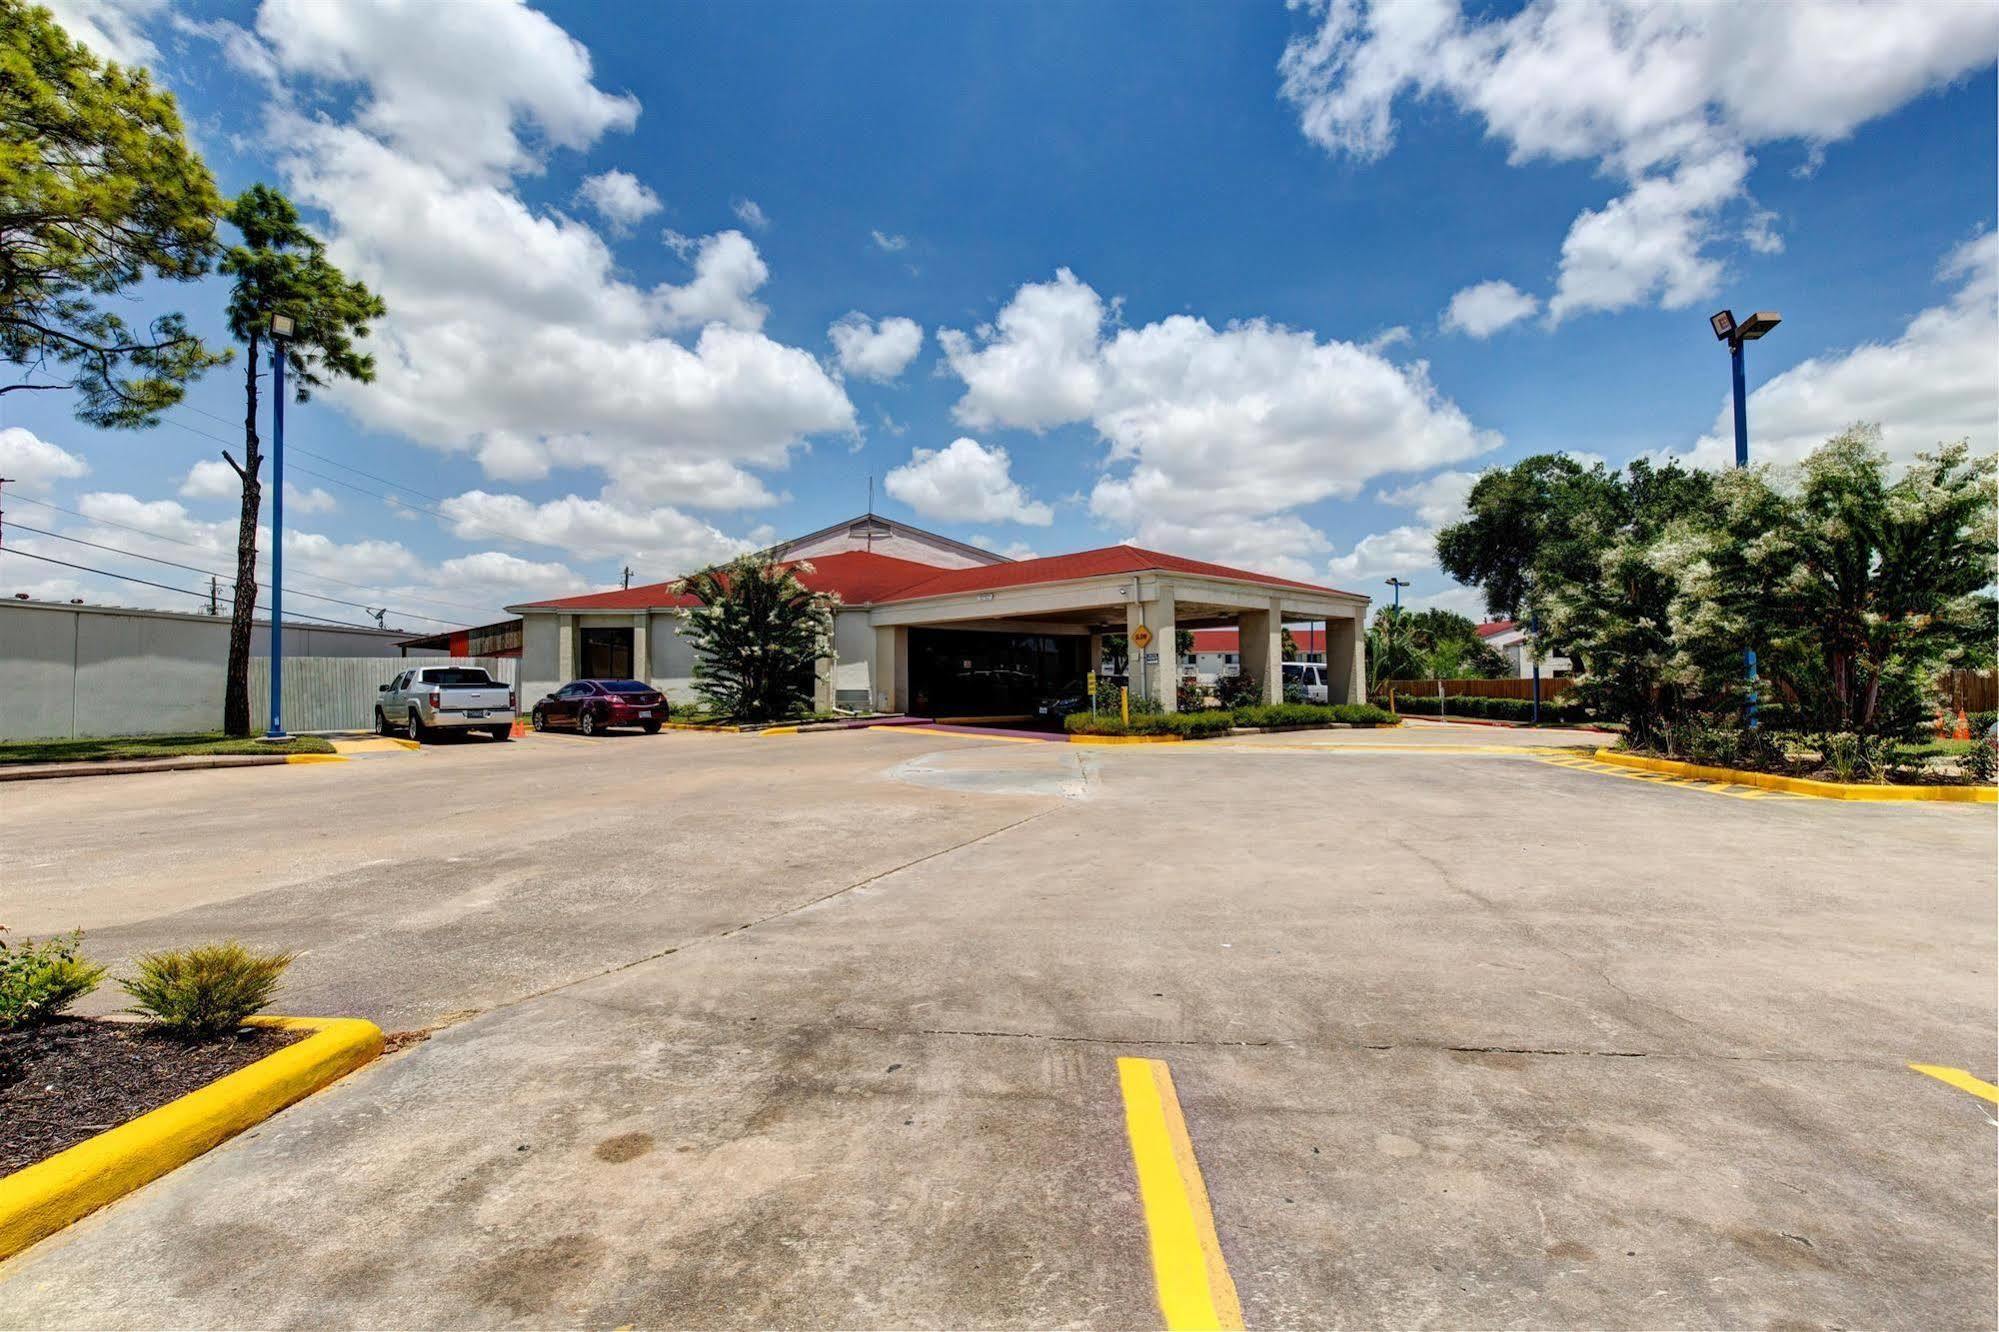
column 861, row 578
column 1082, row 564
column 1226, row 640
column 1491, row 627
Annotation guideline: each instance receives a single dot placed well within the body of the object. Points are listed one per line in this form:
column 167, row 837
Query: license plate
column 644, row 715
column 475, row 712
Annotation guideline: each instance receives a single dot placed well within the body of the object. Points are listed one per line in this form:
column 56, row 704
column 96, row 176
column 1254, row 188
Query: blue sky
column 1243, row 282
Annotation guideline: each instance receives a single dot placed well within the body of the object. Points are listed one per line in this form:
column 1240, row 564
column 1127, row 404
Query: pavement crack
column 1048, row 1036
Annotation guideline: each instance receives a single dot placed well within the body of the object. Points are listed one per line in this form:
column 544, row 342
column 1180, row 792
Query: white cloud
column 448, row 85
column 875, row 351
column 660, row 537
column 495, row 578
column 966, row 482
column 1013, row 550
column 727, row 272
column 1437, row 500
column 1482, row 310
column 1933, row 384
column 1668, row 96
column 1214, row 434
column 1394, row 336
column 1037, row 364
column 211, row 478
column 750, row 214
column 112, row 29
column 889, row 243
column 620, row 198
column 1409, row 553
column 302, row 501
column 33, row 463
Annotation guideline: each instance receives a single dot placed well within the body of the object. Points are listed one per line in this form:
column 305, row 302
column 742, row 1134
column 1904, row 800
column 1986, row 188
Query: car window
column 626, row 687
column 400, row 682
column 456, row 675
column 573, row 691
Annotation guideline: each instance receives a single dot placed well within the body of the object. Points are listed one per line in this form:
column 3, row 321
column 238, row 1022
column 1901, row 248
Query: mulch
column 74, row 1078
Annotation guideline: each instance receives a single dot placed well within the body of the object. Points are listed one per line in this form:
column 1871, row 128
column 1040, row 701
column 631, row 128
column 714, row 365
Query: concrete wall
column 854, row 647
column 898, row 546
column 669, row 659
column 90, row 671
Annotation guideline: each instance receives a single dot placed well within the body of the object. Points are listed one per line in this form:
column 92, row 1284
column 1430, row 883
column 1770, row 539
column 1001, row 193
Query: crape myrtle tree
column 758, row 634
column 99, row 191
column 1858, row 588
column 1551, row 541
column 280, row 268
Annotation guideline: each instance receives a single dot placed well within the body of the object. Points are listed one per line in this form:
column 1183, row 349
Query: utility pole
column 214, row 596
column 628, row 577
column 281, row 332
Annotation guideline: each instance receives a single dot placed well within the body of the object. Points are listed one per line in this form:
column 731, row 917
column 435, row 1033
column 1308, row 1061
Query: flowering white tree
column 758, row 634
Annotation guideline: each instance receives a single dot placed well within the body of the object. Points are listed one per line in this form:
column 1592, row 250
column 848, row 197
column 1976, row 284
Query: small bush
column 1190, row 695
column 1189, row 725
column 39, row 980
column 1364, row 714
column 1238, row 691
column 205, row 991
column 1982, row 763
column 1858, row 758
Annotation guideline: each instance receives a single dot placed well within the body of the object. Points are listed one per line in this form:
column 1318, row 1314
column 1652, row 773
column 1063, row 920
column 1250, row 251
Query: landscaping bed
column 1211, row 722
column 72, row 1078
column 1844, row 758
column 153, row 747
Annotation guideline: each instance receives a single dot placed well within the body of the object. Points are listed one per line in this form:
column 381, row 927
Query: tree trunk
column 236, row 685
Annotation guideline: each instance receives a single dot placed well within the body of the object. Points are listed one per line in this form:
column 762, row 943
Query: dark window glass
column 456, row 675
column 626, row 687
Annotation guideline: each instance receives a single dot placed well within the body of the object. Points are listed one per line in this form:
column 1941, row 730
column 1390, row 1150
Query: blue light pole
column 281, row 331
column 1726, row 329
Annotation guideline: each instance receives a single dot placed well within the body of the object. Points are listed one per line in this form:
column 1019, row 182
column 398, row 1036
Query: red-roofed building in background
column 933, row 626
column 1509, row 639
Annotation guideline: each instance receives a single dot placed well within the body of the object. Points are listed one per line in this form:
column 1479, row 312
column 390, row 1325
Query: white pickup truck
column 435, row 698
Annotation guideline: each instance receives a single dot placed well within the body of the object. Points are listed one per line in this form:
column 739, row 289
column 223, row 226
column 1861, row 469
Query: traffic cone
column 520, row 728
column 1942, row 727
column 1963, row 729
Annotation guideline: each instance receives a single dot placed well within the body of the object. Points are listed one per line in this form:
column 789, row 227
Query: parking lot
column 823, row 1030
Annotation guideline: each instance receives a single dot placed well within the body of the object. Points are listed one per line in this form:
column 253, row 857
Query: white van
column 1309, row 676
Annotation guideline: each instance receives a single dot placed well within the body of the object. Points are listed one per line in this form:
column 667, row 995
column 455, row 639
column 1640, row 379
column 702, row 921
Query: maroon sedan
column 590, row 706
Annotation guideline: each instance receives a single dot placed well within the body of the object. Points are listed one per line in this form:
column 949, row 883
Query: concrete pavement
column 1463, row 1038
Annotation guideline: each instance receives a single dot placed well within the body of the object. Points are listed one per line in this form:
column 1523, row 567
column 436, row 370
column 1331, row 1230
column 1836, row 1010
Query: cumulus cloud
column 1437, row 500
column 1668, row 97
column 965, row 482
column 1214, row 435
column 111, row 29
column 727, row 272
column 1482, row 310
column 450, row 85
column 1012, row 550
column 750, row 214
column 661, row 537
column 620, row 198
column 211, row 478
column 871, row 350
column 1932, row 384
column 34, row 464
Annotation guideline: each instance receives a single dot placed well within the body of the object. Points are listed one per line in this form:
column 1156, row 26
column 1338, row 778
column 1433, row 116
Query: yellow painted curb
column 1128, row 739
column 1962, row 795
column 698, row 726
column 778, row 730
column 1188, row 1269
column 38, row 1200
column 315, row 758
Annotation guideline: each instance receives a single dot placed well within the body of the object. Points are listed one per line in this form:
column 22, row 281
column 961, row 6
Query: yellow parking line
column 1578, row 763
column 1961, row 1080
column 1195, row 1290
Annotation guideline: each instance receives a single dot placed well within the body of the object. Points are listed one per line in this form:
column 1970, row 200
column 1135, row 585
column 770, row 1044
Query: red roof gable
column 861, row 578
column 1082, row 564
column 1491, row 627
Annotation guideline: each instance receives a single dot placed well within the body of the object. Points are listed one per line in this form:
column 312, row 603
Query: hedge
column 1491, row 709
column 1313, row 714
column 1188, row 725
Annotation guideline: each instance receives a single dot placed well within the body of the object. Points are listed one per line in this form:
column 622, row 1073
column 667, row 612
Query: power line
column 296, row 591
column 319, row 577
column 164, row 587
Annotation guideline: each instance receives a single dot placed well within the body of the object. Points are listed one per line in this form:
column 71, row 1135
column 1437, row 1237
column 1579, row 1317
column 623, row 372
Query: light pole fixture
column 1398, row 584
column 282, row 329
column 1728, row 329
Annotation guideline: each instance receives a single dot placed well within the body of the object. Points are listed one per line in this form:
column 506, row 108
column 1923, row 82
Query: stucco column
column 642, row 646
column 565, row 648
column 823, row 672
column 1162, row 678
column 1346, row 661
column 1260, row 641
column 1096, row 653
column 891, row 668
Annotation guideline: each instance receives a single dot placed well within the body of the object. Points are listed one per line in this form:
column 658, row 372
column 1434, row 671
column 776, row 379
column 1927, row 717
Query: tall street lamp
column 281, row 332
column 1398, row 584
column 1726, row 329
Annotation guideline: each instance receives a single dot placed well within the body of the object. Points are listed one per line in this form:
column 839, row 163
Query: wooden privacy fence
column 1974, row 691
column 1508, row 688
column 339, row 693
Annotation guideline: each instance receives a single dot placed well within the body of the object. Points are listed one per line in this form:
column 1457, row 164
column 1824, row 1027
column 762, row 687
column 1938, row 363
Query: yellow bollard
column 1124, row 703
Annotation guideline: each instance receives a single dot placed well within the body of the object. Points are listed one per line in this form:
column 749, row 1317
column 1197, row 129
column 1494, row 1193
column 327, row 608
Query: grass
column 151, row 746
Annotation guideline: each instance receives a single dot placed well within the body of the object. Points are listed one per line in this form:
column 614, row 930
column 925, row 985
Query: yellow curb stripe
column 778, row 730
column 38, row 1200
column 315, row 758
column 1967, row 795
column 957, row 735
column 1961, row 1080
column 1126, row 739
column 1195, row 1290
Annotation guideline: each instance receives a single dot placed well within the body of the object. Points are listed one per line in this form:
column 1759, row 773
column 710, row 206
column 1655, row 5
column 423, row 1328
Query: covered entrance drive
column 985, row 640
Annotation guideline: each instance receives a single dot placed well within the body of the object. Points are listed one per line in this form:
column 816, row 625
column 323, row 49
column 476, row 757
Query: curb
column 1127, row 739
column 698, row 726
column 1960, row 795
column 38, row 1200
column 32, row 772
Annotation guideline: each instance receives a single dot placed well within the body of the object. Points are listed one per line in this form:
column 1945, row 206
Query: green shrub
column 206, row 990
column 1238, row 691
column 1189, row 725
column 1364, row 714
column 1859, row 758
column 40, row 980
column 1981, row 722
column 1982, row 763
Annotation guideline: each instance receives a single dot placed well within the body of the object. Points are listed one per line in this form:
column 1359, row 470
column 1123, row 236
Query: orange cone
column 520, row 728
column 1962, row 731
